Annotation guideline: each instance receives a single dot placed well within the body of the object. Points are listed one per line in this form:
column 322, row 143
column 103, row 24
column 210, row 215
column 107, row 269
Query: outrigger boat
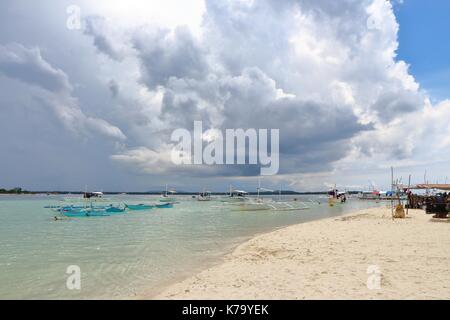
column 258, row 203
column 253, row 205
column 90, row 211
column 269, row 204
column 204, row 196
column 87, row 209
column 142, row 206
column 165, row 196
column 236, row 196
column 336, row 197
column 77, row 207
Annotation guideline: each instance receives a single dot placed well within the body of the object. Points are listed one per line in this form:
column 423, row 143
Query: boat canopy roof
column 265, row 189
column 431, row 186
column 240, row 191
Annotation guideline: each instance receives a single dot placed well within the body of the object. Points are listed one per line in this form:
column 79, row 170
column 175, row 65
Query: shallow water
column 125, row 255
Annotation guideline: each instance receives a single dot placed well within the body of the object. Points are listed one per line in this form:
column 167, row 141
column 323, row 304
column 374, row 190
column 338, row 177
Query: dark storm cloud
column 105, row 43
column 392, row 104
column 28, row 66
column 164, row 55
column 312, row 134
column 178, row 111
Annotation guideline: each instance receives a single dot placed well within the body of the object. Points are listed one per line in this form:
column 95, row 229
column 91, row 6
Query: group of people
column 438, row 204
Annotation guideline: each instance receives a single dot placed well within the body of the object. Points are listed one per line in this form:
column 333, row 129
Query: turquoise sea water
column 127, row 255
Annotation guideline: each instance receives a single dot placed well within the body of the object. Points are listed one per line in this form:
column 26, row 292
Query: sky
column 424, row 43
column 354, row 87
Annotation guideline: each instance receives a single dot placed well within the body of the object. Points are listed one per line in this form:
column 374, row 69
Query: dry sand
column 329, row 259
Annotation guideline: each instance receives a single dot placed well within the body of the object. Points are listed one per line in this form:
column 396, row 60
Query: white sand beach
column 330, row 259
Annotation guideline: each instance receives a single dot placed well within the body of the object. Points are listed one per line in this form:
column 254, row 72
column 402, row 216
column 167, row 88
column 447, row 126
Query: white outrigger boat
column 165, row 196
column 236, row 196
column 204, row 196
column 96, row 196
column 259, row 203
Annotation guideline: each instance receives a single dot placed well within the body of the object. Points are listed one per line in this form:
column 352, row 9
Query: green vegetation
column 13, row 191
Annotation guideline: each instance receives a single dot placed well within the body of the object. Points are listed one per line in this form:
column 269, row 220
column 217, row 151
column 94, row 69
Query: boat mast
column 259, row 185
column 85, row 196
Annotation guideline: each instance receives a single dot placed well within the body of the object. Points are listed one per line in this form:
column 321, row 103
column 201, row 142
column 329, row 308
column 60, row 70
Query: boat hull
column 115, row 210
column 137, row 207
column 164, row 205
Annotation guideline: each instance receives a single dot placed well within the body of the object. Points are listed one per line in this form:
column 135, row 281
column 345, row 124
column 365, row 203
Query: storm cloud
column 324, row 73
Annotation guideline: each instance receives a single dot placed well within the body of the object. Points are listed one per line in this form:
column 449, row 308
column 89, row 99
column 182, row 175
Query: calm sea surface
column 126, row 255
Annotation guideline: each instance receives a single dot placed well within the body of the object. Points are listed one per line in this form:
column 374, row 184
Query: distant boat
column 381, row 195
column 336, row 197
column 236, row 196
column 259, row 203
column 165, row 196
column 95, row 194
column 204, row 196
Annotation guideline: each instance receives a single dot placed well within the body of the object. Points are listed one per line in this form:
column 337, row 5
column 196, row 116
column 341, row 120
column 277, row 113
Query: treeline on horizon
column 283, row 192
column 14, row 191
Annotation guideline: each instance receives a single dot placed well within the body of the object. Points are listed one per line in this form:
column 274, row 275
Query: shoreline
column 155, row 294
column 212, row 262
column 215, row 261
column 206, row 263
column 330, row 258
